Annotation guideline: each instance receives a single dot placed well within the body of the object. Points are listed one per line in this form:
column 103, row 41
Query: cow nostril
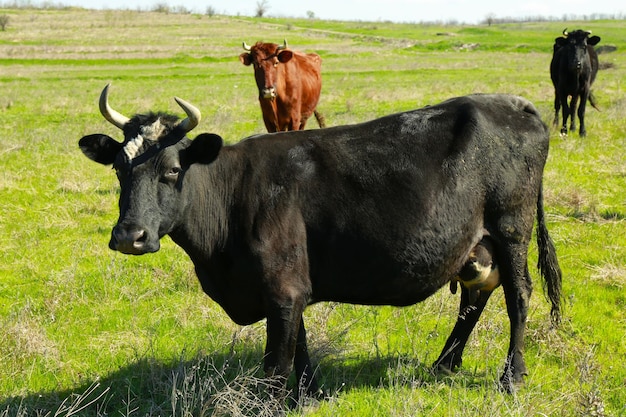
column 133, row 241
column 139, row 238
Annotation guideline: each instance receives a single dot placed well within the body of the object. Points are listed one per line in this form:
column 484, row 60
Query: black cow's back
column 399, row 202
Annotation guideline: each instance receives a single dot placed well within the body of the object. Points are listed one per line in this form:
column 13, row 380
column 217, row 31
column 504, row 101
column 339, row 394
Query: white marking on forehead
column 148, row 132
column 153, row 132
column 132, row 147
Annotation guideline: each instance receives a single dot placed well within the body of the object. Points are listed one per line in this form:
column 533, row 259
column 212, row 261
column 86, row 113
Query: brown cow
column 289, row 84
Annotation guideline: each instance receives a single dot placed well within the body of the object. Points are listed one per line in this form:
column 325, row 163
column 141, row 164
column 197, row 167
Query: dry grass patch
column 613, row 275
column 26, row 336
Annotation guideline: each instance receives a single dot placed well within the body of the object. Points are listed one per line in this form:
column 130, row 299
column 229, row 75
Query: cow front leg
column 557, row 108
column 572, row 112
column 517, row 290
column 581, row 115
column 283, row 326
column 565, row 113
column 295, row 124
column 450, row 359
column 270, row 125
column 305, row 373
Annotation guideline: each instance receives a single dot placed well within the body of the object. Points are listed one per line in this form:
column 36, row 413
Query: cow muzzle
column 268, row 93
column 131, row 241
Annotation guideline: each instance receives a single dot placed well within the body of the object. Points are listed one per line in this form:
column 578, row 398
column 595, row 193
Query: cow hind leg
column 303, row 121
column 450, row 358
column 517, row 287
column 321, row 120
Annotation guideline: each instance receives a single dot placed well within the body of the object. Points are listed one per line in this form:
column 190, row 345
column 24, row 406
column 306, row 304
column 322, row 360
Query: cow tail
column 321, row 120
column 548, row 263
column 592, row 101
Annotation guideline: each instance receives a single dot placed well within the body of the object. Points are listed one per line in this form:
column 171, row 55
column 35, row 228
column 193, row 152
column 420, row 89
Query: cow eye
column 172, row 173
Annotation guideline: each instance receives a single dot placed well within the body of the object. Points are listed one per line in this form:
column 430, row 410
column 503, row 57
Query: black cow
column 380, row 213
column 573, row 69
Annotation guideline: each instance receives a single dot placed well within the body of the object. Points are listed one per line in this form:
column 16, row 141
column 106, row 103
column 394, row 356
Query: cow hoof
column 317, row 395
column 444, row 369
column 509, row 387
column 510, row 384
column 312, row 396
column 306, row 401
column 279, row 413
column 309, row 403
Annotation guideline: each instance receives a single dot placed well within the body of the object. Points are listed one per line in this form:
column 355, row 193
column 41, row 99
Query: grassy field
column 86, row 331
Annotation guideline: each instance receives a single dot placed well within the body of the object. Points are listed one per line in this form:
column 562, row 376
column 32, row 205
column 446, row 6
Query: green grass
column 137, row 336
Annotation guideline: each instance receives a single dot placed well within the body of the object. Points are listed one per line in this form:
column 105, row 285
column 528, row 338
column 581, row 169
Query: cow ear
column 593, row 40
column 100, row 148
column 245, row 59
column 285, row 55
column 204, row 149
column 560, row 41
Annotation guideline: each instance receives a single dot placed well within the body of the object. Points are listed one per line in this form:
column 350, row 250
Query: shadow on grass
column 147, row 387
column 393, row 371
column 216, row 384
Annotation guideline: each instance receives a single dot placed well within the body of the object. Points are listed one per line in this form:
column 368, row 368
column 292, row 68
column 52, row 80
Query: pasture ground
column 86, row 331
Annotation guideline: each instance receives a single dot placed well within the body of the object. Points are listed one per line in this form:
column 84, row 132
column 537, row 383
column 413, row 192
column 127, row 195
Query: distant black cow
column 383, row 212
column 573, row 69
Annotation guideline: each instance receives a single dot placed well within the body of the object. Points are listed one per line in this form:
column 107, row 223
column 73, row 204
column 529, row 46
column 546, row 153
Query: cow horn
column 115, row 118
column 193, row 115
column 283, row 46
column 565, row 32
column 588, row 32
column 246, row 46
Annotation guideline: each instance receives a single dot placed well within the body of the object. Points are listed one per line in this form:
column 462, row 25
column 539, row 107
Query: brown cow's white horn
column 246, row 46
column 193, row 114
column 115, row 118
column 283, row 46
column 565, row 32
column 588, row 32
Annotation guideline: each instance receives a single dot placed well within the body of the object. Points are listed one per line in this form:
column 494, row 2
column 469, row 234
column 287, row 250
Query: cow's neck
column 208, row 192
